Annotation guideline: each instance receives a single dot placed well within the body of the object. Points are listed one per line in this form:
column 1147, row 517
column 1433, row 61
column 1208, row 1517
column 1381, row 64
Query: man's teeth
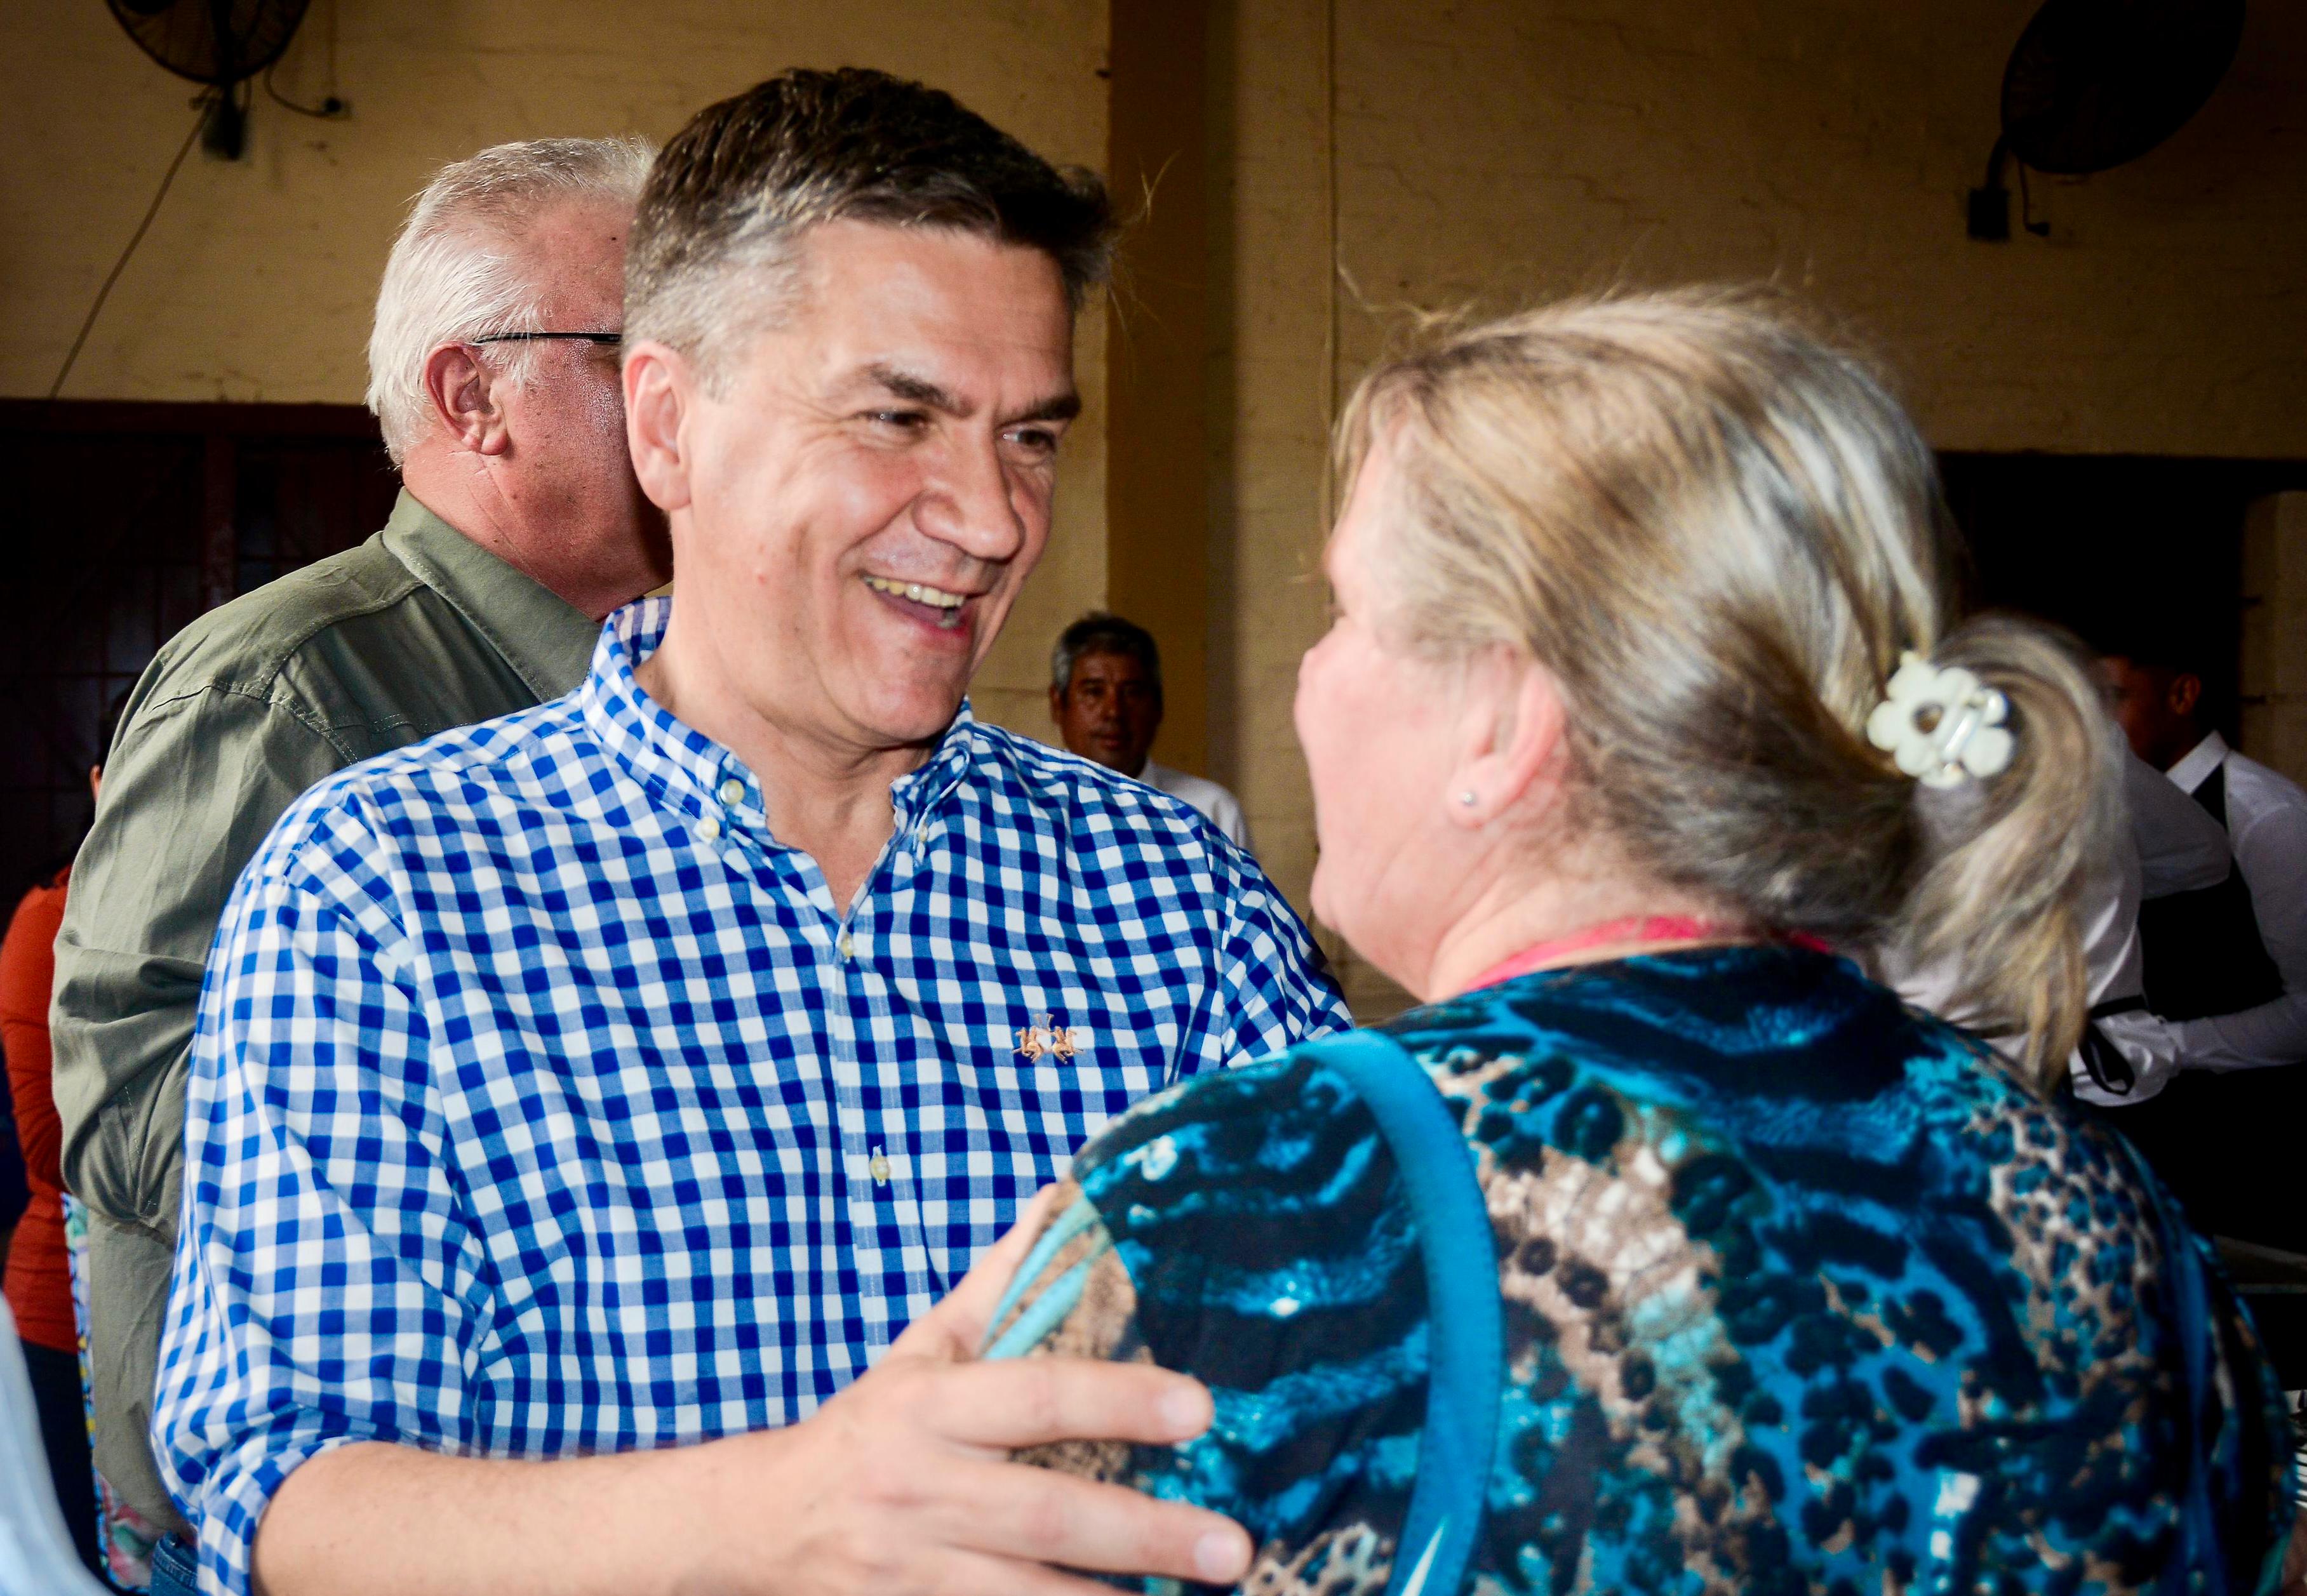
column 921, row 593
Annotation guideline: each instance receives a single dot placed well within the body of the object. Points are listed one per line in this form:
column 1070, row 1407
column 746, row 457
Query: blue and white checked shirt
column 542, row 1103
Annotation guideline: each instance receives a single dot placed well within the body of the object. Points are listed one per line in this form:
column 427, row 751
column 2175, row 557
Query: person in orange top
column 38, row 1281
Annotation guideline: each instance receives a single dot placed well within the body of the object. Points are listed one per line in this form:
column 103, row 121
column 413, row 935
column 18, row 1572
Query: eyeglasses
column 611, row 339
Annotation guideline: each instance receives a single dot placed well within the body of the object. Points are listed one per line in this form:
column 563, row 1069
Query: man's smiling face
column 874, row 485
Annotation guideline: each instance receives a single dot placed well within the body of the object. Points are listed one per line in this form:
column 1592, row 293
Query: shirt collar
column 689, row 771
column 2202, row 760
column 544, row 638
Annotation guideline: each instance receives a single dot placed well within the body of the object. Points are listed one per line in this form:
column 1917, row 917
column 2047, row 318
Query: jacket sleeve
column 193, row 782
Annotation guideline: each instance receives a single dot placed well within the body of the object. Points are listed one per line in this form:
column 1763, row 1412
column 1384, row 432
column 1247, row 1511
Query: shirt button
column 845, row 947
column 731, row 790
column 880, row 1167
column 708, row 828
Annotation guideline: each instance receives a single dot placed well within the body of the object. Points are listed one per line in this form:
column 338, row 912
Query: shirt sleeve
column 191, row 785
column 2181, row 848
column 327, row 1287
column 1274, row 987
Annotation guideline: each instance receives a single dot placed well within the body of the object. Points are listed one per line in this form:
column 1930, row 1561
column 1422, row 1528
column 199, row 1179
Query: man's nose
column 970, row 505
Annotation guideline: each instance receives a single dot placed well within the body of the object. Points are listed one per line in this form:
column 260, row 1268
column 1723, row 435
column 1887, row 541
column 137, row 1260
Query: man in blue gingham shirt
column 613, row 1082
column 544, row 1104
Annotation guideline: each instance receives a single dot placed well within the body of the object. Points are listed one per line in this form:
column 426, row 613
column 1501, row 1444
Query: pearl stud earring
column 1468, row 798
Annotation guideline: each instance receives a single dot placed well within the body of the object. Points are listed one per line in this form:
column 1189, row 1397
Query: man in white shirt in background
column 2265, row 817
column 2225, row 966
column 2129, row 1053
column 1105, row 696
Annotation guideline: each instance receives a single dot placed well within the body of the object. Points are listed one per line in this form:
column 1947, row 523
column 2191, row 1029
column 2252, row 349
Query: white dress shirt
column 2266, row 828
column 1222, row 808
column 2172, row 845
column 2181, row 848
column 2168, row 847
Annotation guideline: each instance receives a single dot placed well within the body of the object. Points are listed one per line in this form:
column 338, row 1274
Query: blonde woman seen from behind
column 1638, row 698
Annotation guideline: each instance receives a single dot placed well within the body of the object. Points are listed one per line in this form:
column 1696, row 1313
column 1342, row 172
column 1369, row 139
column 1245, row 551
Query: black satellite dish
column 222, row 43
column 2095, row 83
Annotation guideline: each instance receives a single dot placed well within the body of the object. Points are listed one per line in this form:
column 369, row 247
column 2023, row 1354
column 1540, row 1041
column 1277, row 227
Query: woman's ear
column 1513, row 743
column 465, row 400
column 660, row 392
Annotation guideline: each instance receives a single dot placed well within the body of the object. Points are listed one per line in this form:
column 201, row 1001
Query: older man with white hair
column 494, row 371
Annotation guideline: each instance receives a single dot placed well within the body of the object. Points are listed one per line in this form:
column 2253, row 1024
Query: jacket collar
column 546, row 639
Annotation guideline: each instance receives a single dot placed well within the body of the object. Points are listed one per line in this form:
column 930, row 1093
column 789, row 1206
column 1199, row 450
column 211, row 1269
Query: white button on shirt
column 2266, row 825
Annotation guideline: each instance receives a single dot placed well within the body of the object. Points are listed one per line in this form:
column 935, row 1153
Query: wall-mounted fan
column 2094, row 84
column 222, row 43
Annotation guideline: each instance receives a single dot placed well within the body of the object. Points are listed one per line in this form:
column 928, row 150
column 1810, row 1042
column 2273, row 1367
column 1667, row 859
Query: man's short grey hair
column 1100, row 633
column 714, row 248
column 458, row 271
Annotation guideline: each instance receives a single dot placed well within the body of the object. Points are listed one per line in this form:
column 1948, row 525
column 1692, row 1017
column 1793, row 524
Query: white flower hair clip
column 1941, row 723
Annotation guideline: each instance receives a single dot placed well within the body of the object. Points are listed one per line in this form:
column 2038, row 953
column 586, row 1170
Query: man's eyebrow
column 914, row 390
column 920, row 390
column 1062, row 407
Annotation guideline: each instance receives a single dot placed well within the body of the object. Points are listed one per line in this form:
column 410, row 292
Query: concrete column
column 2275, row 633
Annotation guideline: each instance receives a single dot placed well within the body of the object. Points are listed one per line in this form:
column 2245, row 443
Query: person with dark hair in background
column 38, row 1281
column 590, row 1107
column 2225, row 964
column 1105, row 696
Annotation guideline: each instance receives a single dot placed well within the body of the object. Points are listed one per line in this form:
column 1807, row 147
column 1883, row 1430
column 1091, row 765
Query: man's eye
column 1038, row 441
column 902, row 421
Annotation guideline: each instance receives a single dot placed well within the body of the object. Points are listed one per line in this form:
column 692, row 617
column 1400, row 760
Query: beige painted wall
column 1508, row 147
column 1493, row 147
column 256, row 280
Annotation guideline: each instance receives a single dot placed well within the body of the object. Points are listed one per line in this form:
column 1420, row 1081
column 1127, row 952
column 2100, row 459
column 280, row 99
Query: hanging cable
column 330, row 109
column 199, row 121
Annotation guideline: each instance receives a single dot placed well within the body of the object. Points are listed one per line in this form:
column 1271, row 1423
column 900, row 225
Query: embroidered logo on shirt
column 1050, row 1039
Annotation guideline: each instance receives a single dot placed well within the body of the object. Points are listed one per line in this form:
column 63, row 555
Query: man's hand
column 901, row 1486
column 903, row 1483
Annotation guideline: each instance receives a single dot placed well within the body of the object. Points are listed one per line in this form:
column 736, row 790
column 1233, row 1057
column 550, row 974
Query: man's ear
column 661, row 390
column 1514, row 730
column 465, row 401
column 1057, row 705
column 2186, row 694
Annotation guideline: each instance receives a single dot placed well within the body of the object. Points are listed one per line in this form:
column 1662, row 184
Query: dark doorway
column 2117, row 546
column 127, row 522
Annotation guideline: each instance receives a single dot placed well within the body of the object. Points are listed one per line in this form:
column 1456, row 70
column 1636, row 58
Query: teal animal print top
column 1802, row 1292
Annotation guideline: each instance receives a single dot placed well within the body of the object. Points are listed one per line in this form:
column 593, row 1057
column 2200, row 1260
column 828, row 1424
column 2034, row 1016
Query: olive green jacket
column 415, row 631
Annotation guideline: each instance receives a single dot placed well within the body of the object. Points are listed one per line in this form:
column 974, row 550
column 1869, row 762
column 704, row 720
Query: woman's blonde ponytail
column 1992, row 907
